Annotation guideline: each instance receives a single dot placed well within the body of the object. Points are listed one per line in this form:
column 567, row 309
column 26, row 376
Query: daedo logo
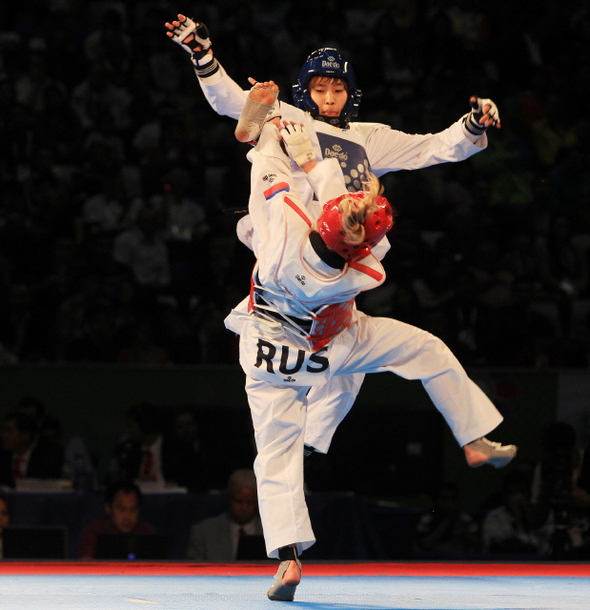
column 331, row 63
column 335, row 152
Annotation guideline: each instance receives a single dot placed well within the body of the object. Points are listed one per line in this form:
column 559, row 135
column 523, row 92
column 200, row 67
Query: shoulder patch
column 280, row 187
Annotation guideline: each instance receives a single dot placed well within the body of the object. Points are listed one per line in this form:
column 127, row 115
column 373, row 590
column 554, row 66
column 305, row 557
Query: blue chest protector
column 351, row 156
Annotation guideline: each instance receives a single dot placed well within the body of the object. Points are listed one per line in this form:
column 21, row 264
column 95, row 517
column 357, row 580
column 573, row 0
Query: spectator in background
column 73, row 315
column 97, row 342
column 34, row 408
column 563, row 268
column 79, row 464
column 24, row 454
column 509, row 528
column 142, row 346
column 4, row 519
column 522, row 336
column 218, row 538
column 163, row 143
column 560, row 504
column 446, row 531
column 26, row 326
column 110, row 46
column 57, row 126
column 187, row 466
column 184, row 231
column 142, row 455
column 143, row 253
column 96, row 93
column 122, row 506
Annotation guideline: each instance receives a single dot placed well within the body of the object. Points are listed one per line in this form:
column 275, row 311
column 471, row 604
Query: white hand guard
column 204, row 63
column 200, row 33
column 297, row 143
column 471, row 121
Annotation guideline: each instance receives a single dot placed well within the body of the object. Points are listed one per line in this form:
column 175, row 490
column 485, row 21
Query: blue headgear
column 327, row 62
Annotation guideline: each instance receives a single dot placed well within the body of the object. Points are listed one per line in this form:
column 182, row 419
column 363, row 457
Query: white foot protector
column 280, row 592
column 482, row 451
column 254, row 115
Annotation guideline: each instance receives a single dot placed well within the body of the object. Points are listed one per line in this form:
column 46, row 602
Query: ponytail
column 354, row 211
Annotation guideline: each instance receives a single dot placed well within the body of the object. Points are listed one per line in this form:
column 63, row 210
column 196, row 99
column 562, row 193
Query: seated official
column 25, row 454
column 218, row 539
column 122, row 506
column 4, row 519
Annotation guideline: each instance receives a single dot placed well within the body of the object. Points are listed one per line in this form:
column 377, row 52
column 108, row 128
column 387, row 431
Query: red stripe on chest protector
column 376, row 275
column 297, row 209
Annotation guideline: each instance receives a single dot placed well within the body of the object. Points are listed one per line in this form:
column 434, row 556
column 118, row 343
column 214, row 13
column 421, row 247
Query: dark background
column 490, row 254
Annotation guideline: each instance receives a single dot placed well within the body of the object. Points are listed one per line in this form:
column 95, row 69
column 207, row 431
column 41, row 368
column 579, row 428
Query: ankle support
column 288, row 553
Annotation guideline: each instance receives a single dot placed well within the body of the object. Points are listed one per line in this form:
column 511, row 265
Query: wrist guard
column 205, row 65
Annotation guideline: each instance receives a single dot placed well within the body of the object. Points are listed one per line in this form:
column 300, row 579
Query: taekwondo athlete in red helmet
column 326, row 99
column 299, row 328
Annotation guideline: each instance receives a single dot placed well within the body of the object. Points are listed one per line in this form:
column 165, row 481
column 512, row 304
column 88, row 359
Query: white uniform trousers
column 278, row 415
column 375, row 345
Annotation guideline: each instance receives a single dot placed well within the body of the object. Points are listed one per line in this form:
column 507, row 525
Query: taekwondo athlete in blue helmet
column 326, row 100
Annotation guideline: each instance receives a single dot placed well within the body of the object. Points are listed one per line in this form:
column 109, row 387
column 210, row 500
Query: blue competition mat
column 165, row 592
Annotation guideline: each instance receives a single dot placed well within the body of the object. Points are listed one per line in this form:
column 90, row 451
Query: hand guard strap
column 205, row 65
column 297, row 143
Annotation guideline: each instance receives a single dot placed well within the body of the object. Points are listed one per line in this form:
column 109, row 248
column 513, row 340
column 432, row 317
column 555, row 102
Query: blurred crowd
column 120, row 185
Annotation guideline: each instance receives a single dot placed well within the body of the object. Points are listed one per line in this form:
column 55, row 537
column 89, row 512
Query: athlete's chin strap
column 335, row 121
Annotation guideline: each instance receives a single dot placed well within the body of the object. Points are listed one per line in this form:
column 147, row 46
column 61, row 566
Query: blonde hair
column 355, row 212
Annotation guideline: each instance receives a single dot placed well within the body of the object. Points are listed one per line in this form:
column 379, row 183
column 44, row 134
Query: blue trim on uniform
column 281, row 187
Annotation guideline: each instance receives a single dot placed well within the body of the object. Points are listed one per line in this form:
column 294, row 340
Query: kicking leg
column 261, row 106
column 384, row 344
column 328, row 405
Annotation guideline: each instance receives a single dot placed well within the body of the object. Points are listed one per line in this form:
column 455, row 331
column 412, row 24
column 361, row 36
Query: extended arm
column 392, row 150
column 224, row 95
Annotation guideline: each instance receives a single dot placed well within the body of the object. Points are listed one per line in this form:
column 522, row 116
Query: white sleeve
column 327, row 180
column 391, row 150
column 224, row 95
column 245, row 232
column 270, row 178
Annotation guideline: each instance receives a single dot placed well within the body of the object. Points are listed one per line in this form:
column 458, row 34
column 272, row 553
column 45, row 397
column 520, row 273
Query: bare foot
column 265, row 93
column 292, row 575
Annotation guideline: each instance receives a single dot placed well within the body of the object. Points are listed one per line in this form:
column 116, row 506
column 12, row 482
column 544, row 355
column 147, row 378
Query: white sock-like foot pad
column 254, row 115
column 482, row 451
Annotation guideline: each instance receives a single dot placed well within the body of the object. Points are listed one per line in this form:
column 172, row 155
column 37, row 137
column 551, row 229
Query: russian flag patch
column 280, row 187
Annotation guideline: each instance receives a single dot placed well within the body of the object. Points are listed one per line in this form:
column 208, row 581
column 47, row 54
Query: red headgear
column 376, row 226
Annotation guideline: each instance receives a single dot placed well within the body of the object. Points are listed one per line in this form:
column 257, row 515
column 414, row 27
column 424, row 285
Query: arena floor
column 367, row 586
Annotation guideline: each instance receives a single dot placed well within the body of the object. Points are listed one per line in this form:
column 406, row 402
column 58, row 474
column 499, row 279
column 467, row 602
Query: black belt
column 303, row 324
